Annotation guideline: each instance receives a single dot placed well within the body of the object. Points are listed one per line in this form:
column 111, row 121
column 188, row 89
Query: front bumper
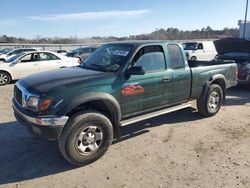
column 45, row 127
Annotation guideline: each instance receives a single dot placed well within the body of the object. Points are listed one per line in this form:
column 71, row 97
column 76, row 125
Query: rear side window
column 175, row 56
column 48, row 57
column 151, row 58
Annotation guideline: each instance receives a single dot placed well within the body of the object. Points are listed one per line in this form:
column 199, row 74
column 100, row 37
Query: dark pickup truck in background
column 119, row 84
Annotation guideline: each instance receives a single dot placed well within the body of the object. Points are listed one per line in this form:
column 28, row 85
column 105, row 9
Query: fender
column 221, row 80
column 214, row 79
column 109, row 100
column 219, row 77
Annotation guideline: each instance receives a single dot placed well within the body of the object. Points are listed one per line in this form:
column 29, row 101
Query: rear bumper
column 46, row 127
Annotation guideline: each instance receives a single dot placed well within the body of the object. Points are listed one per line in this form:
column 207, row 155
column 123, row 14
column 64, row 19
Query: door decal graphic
column 132, row 90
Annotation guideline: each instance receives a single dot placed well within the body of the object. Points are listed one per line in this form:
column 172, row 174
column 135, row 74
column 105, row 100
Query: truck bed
column 193, row 64
column 202, row 72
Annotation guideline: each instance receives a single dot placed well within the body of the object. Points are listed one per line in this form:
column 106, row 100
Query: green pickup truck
column 119, row 84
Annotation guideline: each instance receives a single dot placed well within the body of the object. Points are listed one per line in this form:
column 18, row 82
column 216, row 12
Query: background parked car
column 82, row 52
column 202, row 50
column 238, row 50
column 62, row 52
column 11, row 53
column 5, row 50
column 27, row 63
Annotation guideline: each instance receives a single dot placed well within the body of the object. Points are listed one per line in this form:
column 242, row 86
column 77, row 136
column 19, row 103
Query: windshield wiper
column 100, row 67
column 84, row 66
column 96, row 65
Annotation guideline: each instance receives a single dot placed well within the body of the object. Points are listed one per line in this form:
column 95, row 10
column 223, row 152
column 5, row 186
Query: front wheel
column 211, row 103
column 85, row 138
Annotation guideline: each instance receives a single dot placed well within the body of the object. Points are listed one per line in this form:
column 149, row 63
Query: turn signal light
column 44, row 104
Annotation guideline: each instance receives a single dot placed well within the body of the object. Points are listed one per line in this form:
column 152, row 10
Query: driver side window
column 200, row 46
column 151, row 58
column 47, row 56
column 29, row 58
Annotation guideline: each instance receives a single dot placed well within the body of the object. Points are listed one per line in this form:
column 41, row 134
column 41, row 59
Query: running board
column 154, row 114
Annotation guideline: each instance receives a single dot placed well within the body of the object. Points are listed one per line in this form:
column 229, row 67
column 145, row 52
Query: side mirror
column 136, row 70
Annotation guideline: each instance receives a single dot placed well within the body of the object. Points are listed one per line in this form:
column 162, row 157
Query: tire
column 210, row 104
column 85, row 138
column 4, row 78
column 193, row 58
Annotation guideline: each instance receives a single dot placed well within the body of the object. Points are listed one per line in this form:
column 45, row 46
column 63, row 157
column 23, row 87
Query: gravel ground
column 180, row 149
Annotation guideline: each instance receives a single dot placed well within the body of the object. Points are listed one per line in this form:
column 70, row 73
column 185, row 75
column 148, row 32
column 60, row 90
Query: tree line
column 158, row 34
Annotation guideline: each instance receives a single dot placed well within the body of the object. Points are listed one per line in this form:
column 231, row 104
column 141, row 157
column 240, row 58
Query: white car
column 24, row 64
column 201, row 50
column 13, row 52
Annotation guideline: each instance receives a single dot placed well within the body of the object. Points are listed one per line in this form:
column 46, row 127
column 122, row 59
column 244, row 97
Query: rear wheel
column 85, row 138
column 193, row 58
column 4, row 78
column 211, row 103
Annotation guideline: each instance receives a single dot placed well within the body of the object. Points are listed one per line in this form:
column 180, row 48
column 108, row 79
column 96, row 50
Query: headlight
column 36, row 103
column 32, row 102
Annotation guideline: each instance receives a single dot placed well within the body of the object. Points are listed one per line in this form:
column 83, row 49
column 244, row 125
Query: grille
column 18, row 95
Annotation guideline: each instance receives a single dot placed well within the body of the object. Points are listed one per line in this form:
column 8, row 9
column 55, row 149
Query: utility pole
column 157, row 35
column 75, row 33
column 245, row 23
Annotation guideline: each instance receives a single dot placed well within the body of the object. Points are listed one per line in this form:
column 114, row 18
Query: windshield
column 109, row 57
column 190, row 45
column 5, row 51
column 14, row 58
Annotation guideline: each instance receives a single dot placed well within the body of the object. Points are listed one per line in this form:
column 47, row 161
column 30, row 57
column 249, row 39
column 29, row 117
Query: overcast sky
column 64, row 18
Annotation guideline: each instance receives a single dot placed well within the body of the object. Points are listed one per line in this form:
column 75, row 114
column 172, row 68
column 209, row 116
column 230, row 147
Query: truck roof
column 143, row 42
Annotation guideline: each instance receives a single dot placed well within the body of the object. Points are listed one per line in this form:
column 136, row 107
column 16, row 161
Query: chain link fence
column 50, row 47
column 55, row 47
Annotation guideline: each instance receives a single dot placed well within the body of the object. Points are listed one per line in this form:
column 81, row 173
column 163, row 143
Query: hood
column 229, row 45
column 45, row 81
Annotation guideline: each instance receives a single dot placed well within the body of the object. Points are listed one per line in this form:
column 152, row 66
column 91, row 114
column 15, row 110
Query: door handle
column 166, row 78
